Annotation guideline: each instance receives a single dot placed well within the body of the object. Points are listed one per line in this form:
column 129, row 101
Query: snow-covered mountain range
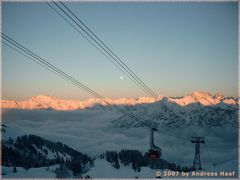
column 46, row 101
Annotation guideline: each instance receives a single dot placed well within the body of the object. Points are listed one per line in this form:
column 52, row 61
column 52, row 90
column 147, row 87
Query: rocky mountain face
column 195, row 109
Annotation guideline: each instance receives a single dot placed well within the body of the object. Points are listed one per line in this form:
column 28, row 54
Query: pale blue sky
column 175, row 48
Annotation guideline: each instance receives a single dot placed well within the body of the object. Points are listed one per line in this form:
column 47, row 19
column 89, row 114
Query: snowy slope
column 103, row 169
column 42, row 172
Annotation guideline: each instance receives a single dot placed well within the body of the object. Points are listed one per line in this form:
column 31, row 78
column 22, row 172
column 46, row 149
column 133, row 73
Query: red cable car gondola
column 154, row 151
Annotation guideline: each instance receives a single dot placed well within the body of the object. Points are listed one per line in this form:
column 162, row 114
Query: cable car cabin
column 154, row 152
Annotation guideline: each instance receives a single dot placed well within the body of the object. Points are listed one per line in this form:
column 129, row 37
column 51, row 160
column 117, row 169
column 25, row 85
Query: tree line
column 137, row 159
column 33, row 151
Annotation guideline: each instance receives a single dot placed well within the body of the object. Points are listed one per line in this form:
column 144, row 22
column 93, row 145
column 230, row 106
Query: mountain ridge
column 52, row 102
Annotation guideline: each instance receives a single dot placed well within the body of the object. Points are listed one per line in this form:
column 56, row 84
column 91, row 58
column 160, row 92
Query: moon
column 121, row 77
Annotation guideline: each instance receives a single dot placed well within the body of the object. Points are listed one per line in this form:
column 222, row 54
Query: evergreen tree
column 14, row 169
column 116, row 164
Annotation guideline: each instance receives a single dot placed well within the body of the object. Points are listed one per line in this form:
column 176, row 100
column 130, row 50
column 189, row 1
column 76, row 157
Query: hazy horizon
column 59, row 97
